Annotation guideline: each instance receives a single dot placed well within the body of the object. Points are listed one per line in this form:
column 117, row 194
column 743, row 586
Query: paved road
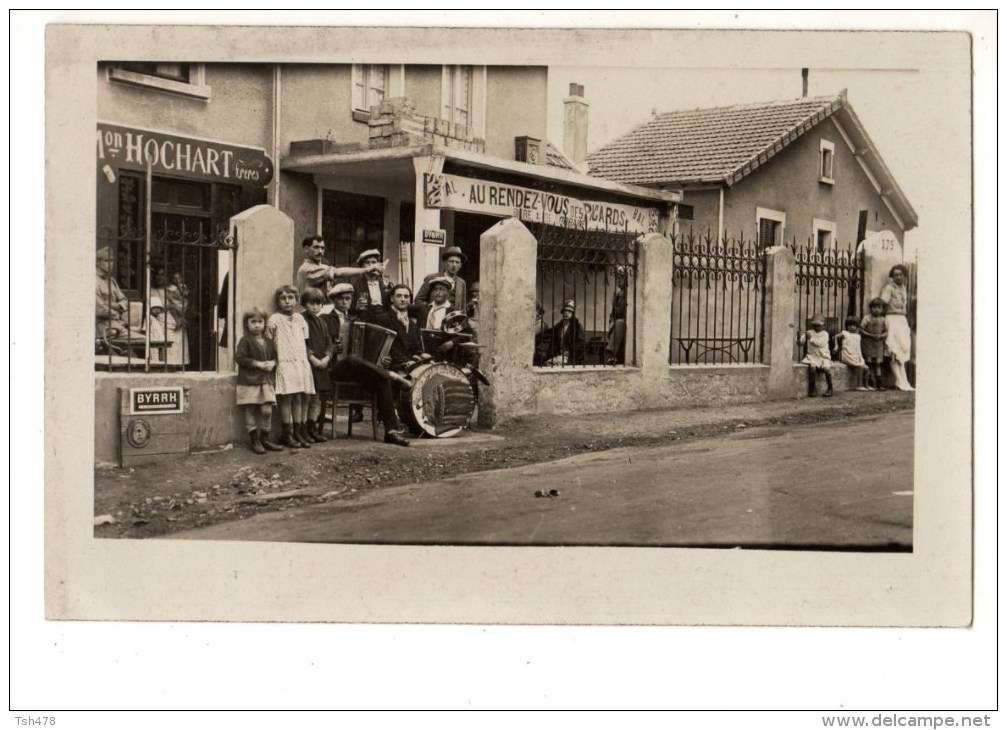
column 845, row 485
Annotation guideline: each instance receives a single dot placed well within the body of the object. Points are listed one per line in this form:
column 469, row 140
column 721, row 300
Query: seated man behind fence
column 615, row 345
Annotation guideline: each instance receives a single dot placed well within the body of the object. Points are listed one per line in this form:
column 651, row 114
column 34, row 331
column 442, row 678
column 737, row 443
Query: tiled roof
column 555, row 158
column 719, row 145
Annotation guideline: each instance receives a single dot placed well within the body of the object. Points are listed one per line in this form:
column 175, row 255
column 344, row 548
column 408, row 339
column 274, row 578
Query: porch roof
column 397, row 161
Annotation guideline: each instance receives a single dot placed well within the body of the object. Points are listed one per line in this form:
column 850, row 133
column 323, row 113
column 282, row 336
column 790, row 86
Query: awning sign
column 155, row 400
column 174, row 155
column 536, row 206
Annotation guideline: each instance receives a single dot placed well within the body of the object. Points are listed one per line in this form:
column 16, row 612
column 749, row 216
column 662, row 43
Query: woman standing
column 900, row 339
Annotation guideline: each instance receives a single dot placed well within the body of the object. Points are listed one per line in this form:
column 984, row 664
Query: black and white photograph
column 509, row 325
column 600, row 305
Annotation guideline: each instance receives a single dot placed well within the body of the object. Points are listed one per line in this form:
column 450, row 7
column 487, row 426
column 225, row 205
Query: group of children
column 286, row 358
column 864, row 345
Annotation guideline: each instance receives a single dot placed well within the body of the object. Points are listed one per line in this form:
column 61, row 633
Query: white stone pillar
column 507, row 263
column 653, row 309
column 265, row 243
column 778, row 328
column 426, row 217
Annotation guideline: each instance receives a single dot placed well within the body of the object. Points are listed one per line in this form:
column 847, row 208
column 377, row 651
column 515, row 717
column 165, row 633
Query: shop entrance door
column 468, row 227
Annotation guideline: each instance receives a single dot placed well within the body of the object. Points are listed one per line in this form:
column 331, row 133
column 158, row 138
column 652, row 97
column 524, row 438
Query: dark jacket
column 456, row 296
column 573, row 344
column 249, row 351
column 407, row 341
column 373, row 308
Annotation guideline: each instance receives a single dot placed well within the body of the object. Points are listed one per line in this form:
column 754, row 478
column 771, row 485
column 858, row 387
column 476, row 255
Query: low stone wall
column 213, row 417
column 588, row 390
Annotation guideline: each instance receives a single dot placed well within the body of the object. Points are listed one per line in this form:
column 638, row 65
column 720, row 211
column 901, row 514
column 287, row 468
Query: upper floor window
column 456, row 95
column 187, row 79
column 372, row 84
column 826, row 154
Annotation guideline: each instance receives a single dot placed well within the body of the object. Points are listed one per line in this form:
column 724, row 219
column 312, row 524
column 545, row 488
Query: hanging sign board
column 535, row 206
column 170, row 154
column 436, row 236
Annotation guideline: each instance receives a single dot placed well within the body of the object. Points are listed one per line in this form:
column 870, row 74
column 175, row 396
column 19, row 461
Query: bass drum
column 440, row 402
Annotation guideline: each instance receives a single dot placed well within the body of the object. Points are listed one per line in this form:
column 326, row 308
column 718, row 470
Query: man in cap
column 431, row 315
column 373, row 377
column 111, row 304
column 372, row 291
column 315, row 272
column 452, row 260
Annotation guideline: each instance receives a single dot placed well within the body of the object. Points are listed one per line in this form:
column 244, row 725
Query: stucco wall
column 423, row 88
column 238, row 110
column 213, row 417
column 706, row 205
column 789, row 183
column 516, row 105
column 316, row 104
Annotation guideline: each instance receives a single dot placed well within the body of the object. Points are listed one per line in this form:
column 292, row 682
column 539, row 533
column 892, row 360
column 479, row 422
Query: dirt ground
column 207, row 488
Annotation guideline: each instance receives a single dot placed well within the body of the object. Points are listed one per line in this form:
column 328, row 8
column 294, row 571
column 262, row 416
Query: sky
column 894, row 104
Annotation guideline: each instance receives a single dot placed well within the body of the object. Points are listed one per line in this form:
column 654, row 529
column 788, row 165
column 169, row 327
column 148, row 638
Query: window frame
column 395, row 83
column 778, row 216
column 478, row 81
column 195, row 87
column 817, row 226
column 827, row 153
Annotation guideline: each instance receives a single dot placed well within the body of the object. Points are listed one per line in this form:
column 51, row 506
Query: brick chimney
column 575, row 125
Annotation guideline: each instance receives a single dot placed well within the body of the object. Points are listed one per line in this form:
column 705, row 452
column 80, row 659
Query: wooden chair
column 349, row 394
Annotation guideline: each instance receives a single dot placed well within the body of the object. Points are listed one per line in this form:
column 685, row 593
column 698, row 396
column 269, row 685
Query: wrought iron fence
column 157, row 297
column 828, row 283
column 717, row 303
column 594, row 273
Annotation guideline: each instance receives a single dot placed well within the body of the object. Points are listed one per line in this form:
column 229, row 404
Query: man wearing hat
column 431, row 315
column 350, row 368
column 315, row 272
column 452, row 260
column 567, row 340
column 371, row 291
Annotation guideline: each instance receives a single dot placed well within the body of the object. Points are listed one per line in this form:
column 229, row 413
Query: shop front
column 164, row 249
column 411, row 202
column 164, row 203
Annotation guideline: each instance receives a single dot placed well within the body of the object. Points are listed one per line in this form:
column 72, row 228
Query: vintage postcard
column 500, row 325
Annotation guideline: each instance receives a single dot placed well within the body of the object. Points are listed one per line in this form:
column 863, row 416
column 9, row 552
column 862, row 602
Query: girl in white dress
column 817, row 356
column 848, row 345
column 294, row 382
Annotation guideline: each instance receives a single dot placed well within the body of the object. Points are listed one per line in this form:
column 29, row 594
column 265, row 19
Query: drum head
column 440, row 402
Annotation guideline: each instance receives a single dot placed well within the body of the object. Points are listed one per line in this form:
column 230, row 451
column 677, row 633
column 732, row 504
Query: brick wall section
column 395, row 123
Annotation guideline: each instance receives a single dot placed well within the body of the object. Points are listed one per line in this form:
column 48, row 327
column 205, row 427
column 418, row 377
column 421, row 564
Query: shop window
column 770, row 225
column 186, row 79
column 177, row 252
column 351, row 224
column 827, row 154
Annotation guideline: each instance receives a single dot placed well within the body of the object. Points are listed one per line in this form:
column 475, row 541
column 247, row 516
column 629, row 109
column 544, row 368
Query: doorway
column 467, row 229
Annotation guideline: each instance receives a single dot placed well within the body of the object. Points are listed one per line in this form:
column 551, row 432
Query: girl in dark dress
column 320, row 350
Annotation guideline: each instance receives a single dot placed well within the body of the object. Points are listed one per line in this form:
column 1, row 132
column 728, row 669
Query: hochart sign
column 537, row 206
column 171, row 154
